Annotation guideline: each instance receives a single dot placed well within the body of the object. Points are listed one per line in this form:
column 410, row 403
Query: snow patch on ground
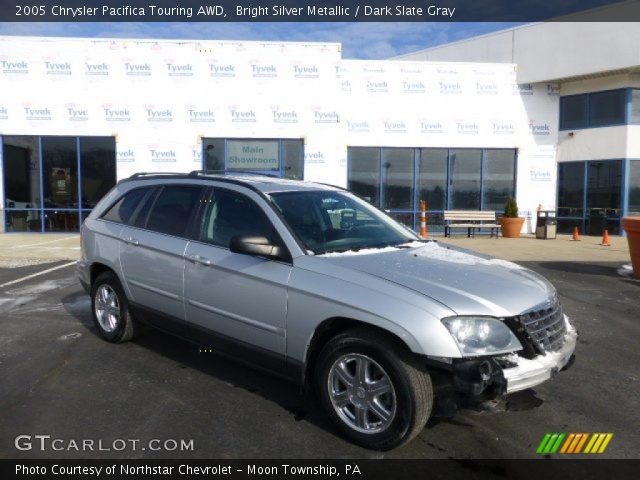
column 70, row 336
column 21, row 262
column 40, row 287
column 626, row 270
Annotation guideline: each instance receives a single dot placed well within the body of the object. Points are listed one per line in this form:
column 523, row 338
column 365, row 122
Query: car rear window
column 123, row 209
column 172, row 210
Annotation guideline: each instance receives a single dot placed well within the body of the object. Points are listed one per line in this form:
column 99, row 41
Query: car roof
column 262, row 183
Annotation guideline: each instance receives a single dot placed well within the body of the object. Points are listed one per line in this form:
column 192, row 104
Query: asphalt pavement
column 58, row 378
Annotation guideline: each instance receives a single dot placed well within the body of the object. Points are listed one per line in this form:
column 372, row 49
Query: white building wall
column 593, row 144
column 549, row 51
column 161, row 98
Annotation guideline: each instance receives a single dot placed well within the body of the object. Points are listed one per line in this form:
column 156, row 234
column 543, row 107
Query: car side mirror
column 255, row 245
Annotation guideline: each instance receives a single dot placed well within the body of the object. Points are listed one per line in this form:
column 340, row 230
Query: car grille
column 544, row 327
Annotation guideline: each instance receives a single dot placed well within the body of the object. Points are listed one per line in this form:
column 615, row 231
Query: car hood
column 466, row 282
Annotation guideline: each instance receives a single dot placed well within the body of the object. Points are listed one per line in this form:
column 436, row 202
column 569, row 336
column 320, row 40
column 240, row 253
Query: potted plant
column 632, row 227
column 511, row 223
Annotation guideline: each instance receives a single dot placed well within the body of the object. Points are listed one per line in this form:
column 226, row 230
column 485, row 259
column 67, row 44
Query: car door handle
column 199, row 259
column 131, row 241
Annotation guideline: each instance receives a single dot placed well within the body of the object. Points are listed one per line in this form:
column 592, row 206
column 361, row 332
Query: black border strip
column 316, row 11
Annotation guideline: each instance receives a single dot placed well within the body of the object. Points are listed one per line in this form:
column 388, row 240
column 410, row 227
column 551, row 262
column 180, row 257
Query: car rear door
column 237, row 297
column 152, row 253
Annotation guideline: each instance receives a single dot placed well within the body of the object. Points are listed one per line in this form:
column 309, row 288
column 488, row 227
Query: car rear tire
column 110, row 309
column 376, row 393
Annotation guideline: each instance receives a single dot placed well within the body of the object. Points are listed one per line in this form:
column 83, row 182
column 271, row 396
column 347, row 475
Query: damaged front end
column 548, row 342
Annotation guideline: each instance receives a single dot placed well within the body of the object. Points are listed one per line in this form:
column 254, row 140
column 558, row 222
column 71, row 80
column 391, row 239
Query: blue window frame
column 600, row 109
column 446, row 178
column 50, row 184
column 591, row 196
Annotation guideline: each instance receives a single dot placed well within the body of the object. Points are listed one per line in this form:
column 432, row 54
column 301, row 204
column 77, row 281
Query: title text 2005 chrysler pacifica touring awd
column 313, row 283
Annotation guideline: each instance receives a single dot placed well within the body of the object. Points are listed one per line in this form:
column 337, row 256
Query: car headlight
column 481, row 335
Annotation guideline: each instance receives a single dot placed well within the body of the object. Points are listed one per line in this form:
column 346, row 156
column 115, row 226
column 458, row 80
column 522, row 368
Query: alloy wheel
column 362, row 393
column 107, row 308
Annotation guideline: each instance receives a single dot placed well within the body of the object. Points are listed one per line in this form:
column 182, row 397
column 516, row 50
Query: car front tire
column 110, row 309
column 376, row 393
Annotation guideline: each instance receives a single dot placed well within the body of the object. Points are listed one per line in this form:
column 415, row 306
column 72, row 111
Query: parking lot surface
column 59, row 379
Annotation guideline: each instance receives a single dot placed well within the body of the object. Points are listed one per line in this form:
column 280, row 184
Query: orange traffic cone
column 423, row 219
column 576, row 234
column 605, row 239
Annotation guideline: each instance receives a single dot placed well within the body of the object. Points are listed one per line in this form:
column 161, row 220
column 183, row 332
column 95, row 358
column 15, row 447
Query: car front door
column 152, row 253
column 237, row 297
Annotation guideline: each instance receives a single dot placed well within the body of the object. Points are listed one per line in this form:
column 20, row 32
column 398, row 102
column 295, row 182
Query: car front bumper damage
column 528, row 373
column 471, row 380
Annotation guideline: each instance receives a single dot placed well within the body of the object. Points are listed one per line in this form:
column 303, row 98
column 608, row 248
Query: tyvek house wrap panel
column 161, row 98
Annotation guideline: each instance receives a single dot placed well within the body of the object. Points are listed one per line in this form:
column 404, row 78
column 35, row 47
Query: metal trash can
column 546, row 224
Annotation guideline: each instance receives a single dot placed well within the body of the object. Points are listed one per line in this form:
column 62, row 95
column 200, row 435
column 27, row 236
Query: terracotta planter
column 511, row 227
column 632, row 227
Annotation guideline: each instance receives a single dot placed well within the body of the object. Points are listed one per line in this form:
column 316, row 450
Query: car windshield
column 332, row 221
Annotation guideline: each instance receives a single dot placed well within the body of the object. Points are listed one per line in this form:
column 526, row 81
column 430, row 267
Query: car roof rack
column 195, row 173
column 144, row 174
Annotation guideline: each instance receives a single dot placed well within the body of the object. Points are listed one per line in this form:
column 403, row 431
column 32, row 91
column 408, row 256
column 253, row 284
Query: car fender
column 315, row 296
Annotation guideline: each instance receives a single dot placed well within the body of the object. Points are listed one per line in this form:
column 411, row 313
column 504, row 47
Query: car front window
column 331, row 221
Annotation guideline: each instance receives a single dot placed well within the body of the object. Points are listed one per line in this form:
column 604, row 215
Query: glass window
column 97, row 167
column 598, row 208
column 498, row 180
column 634, row 187
column 634, row 115
column 214, row 154
column 432, row 177
column 398, row 177
column 173, row 208
column 604, row 184
column 364, row 173
column 22, row 221
column 607, row 108
column 293, row 158
column 123, row 209
column 253, row 155
column 61, row 221
column 405, row 219
column 36, row 167
column 335, row 221
column 21, row 162
column 465, row 178
column 60, row 164
column 573, row 112
column 230, row 214
column 570, row 189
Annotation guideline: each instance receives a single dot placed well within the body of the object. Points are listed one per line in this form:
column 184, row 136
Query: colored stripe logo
column 574, row 443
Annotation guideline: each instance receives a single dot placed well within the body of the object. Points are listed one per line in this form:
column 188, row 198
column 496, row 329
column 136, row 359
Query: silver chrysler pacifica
column 312, row 283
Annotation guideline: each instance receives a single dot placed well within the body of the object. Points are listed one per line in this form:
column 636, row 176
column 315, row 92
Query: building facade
column 595, row 68
column 76, row 115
